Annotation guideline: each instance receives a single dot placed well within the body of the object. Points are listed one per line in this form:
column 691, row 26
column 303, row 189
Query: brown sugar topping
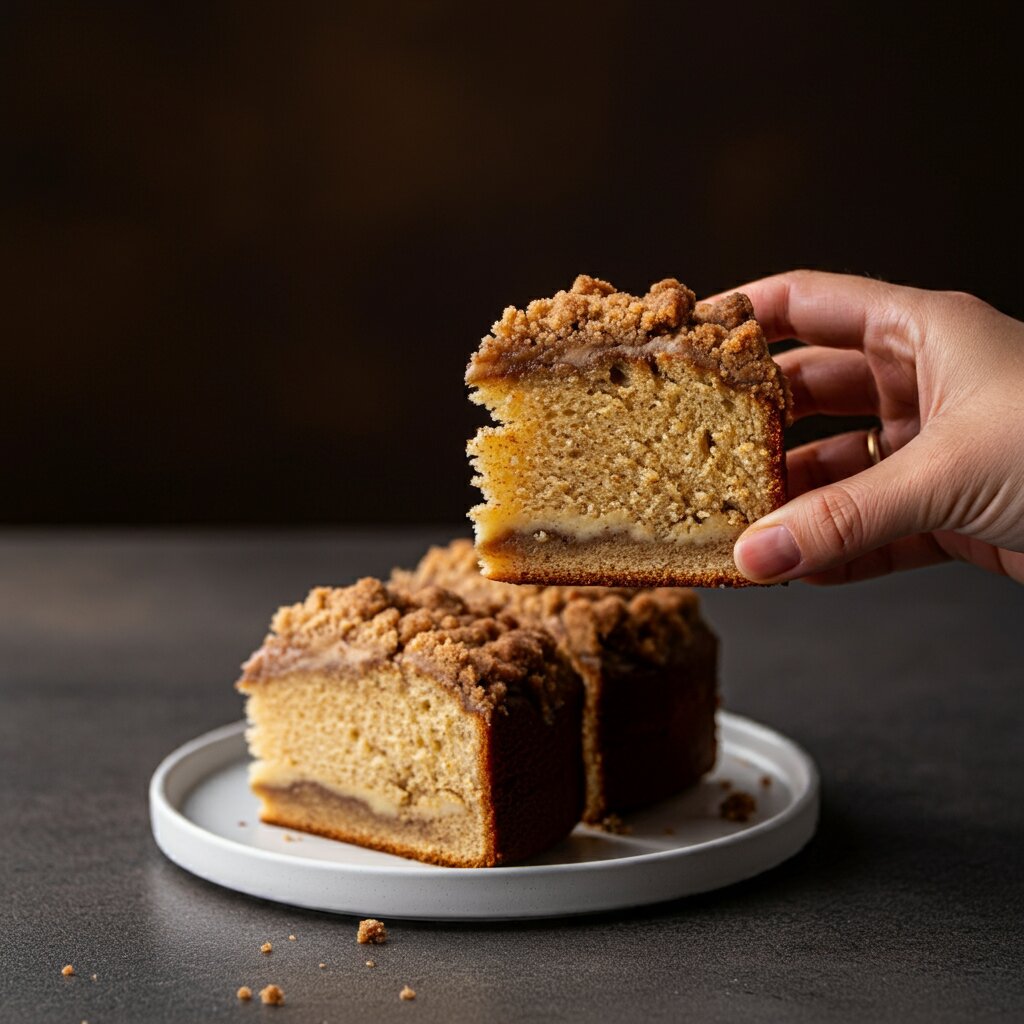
column 738, row 806
column 272, row 995
column 429, row 627
column 371, row 931
column 592, row 318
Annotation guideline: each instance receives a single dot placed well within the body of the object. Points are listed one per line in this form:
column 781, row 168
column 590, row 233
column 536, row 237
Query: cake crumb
column 291, row 938
column 272, row 995
column 288, row 838
column 407, row 993
column 266, row 948
column 371, row 930
column 614, row 825
column 766, row 781
column 738, row 806
column 725, row 784
column 67, row 970
column 242, row 824
column 94, row 977
column 322, row 966
column 244, row 993
column 370, row 963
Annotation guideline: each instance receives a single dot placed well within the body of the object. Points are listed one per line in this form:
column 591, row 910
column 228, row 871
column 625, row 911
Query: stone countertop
column 118, row 646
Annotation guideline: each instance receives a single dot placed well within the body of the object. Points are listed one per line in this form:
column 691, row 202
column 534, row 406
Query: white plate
column 205, row 819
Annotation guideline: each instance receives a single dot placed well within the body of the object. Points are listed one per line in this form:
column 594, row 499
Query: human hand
column 945, row 373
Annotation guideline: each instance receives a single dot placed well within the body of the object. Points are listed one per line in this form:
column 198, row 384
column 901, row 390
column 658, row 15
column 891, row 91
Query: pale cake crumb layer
column 644, row 432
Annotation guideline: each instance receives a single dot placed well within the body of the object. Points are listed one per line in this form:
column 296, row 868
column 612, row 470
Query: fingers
column 905, row 553
column 835, row 383
column 818, row 308
column 834, row 524
column 824, row 462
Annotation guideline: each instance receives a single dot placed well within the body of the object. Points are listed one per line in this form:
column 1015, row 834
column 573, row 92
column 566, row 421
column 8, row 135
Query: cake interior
column 637, row 462
column 384, row 757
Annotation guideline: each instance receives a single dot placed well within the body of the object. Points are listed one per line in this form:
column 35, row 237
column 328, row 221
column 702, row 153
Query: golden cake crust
column 593, row 320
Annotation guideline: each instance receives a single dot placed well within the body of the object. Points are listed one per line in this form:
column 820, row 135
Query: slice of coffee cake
column 648, row 664
column 405, row 722
column 638, row 437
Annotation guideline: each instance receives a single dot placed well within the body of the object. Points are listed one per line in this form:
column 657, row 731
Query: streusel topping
column 646, row 623
column 485, row 657
column 592, row 320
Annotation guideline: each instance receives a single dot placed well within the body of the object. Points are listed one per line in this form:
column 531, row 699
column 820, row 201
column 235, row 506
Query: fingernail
column 767, row 553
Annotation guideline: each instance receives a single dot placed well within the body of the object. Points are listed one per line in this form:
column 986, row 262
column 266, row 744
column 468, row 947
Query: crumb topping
column 431, row 628
column 592, row 319
column 371, row 931
column 272, row 995
column 266, row 948
column 67, row 970
column 244, row 994
column 592, row 622
column 738, row 806
column 407, row 993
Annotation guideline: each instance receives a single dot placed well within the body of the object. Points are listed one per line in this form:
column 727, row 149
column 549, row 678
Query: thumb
column 834, row 524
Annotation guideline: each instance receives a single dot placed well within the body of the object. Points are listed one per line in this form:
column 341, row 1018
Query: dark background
column 247, row 248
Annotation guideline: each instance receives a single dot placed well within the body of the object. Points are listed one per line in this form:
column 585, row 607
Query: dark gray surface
column 907, row 906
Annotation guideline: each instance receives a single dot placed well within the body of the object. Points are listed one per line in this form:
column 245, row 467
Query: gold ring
column 874, row 440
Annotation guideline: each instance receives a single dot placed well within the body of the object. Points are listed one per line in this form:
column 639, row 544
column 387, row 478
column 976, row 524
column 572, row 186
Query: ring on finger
column 874, row 442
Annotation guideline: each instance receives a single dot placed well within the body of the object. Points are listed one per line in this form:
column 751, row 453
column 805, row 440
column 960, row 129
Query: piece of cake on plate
column 637, row 437
column 406, row 722
column 647, row 661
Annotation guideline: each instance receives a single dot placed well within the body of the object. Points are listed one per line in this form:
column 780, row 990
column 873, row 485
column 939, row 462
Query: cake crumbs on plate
column 94, row 977
column 322, row 966
column 288, row 838
column 272, row 995
column 242, row 824
column 407, row 993
column 371, row 963
column 67, row 970
column 738, row 806
column 244, row 994
column 291, row 938
column 266, row 948
column 766, row 781
column 614, row 825
column 725, row 784
column 371, row 930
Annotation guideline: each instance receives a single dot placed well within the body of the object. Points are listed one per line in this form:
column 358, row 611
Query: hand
column 945, row 372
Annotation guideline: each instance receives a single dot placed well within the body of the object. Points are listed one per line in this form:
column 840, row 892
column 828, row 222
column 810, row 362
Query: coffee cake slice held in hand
column 637, row 438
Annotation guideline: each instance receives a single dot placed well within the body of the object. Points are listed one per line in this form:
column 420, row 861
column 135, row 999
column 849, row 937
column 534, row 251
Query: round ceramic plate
column 205, row 819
